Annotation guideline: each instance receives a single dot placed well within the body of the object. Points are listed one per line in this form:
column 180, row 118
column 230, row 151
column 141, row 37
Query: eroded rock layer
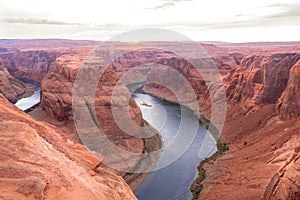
column 289, row 104
column 57, row 96
column 261, row 128
column 31, row 65
column 10, row 87
column 260, row 79
column 38, row 162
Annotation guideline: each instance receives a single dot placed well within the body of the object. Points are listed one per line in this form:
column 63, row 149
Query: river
column 28, row 102
column 173, row 181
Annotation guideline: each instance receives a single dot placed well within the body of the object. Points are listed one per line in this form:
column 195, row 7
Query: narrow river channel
column 173, row 181
column 28, row 102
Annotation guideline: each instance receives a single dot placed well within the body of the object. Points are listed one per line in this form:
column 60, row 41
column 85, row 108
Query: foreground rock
column 285, row 183
column 38, row 162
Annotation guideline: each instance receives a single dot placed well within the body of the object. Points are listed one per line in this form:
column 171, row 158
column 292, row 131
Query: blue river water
column 173, row 182
column 28, row 102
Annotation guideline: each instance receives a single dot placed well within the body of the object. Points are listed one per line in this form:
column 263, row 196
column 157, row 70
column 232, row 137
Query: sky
column 199, row 20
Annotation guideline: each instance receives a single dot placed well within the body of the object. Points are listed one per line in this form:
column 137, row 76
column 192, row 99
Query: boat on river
column 143, row 103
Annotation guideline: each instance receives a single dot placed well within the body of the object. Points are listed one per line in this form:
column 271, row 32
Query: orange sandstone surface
column 38, row 161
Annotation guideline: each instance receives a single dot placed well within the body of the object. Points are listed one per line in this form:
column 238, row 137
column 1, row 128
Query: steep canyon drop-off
column 262, row 89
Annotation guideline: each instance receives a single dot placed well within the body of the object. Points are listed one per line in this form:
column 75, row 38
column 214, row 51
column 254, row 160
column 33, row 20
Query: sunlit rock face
column 260, row 79
column 57, row 94
column 39, row 162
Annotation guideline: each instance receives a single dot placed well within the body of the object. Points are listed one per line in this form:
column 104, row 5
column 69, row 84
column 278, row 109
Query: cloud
column 284, row 15
column 32, row 21
column 167, row 3
column 288, row 11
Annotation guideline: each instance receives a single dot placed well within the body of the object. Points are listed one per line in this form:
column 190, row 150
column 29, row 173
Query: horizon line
column 212, row 41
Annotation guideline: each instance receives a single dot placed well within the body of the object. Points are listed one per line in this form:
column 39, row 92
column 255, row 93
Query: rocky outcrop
column 285, row 184
column 32, row 65
column 260, row 79
column 270, row 80
column 10, row 87
column 57, row 95
column 261, row 130
column 38, row 161
column 289, row 104
column 57, row 88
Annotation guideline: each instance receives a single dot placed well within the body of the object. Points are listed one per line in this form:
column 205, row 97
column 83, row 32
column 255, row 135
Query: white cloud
column 199, row 19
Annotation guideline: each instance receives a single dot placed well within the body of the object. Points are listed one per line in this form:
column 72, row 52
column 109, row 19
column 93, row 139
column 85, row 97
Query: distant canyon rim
column 262, row 85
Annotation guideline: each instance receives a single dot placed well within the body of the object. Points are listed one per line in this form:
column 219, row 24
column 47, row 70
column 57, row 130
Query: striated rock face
column 176, row 73
column 57, row 94
column 10, row 87
column 225, row 63
column 261, row 141
column 285, row 184
column 289, row 104
column 164, row 73
column 38, row 162
column 32, row 65
column 57, row 87
column 260, row 79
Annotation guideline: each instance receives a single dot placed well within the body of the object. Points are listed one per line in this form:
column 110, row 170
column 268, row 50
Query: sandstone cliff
column 285, row 183
column 38, row 162
column 262, row 129
column 289, row 104
column 57, row 94
column 32, row 65
column 260, row 79
column 10, row 87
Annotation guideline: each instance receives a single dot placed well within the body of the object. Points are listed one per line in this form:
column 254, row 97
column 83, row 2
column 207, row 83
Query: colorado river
column 28, row 102
column 173, row 181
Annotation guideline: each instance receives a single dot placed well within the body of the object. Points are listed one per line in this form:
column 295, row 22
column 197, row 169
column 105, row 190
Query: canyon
column 261, row 83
